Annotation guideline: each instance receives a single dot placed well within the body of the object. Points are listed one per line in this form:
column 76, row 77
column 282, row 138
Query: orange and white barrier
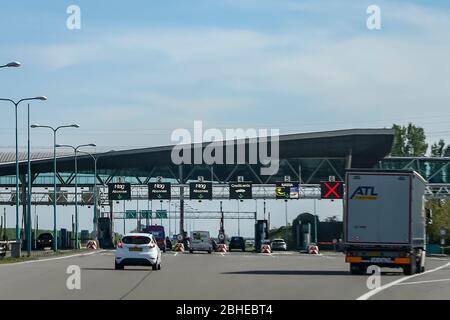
column 313, row 249
column 92, row 244
column 222, row 247
column 266, row 248
column 179, row 247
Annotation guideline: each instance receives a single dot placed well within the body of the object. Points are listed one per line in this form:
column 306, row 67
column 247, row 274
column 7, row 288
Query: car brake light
column 119, row 245
column 151, row 245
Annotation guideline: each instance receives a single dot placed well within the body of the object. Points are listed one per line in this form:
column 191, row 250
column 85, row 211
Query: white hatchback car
column 138, row 249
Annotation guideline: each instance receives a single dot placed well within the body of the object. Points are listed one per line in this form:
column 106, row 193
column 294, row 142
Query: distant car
column 237, row 243
column 160, row 235
column 200, row 241
column 138, row 249
column 278, row 244
column 44, row 240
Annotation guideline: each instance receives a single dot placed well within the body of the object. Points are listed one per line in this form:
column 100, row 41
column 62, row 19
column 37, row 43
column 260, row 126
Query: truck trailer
column 384, row 220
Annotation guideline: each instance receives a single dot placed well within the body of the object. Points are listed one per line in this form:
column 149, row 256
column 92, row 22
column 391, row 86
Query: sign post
column 119, row 191
column 443, row 233
column 159, row 191
column 331, row 190
column 287, row 190
column 240, row 190
column 130, row 214
column 200, row 191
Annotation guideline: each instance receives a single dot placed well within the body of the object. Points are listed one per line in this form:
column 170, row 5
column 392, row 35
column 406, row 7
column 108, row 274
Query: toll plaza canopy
column 305, row 157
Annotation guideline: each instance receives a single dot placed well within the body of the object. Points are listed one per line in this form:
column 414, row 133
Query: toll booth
column 305, row 230
column 104, row 233
column 261, row 233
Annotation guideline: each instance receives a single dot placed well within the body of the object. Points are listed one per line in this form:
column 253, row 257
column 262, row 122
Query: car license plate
column 135, row 249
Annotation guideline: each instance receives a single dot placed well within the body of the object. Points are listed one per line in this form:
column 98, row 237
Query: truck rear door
column 378, row 208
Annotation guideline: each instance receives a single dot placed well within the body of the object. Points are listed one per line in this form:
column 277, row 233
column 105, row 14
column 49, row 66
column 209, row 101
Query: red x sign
column 331, row 190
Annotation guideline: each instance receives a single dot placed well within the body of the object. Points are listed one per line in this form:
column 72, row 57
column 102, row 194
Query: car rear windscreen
column 135, row 240
column 200, row 235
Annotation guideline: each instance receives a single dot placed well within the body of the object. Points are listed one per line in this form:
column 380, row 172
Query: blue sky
column 138, row 70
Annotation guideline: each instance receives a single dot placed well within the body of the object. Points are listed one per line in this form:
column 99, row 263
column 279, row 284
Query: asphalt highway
column 283, row 275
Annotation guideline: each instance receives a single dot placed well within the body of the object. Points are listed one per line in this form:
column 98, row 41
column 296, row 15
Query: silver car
column 278, row 244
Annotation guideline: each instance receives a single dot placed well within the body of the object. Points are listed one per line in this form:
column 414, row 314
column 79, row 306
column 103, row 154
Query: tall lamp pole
column 95, row 158
column 13, row 64
column 55, row 235
column 75, row 149
column 16, row 105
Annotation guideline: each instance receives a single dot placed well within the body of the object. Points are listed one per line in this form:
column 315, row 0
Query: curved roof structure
column 308, row 156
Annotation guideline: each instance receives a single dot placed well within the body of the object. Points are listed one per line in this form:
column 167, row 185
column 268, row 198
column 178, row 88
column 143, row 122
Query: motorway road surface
column 284, row 275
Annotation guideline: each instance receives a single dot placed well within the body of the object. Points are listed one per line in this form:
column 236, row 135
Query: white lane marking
column 425, row 281
column 440, row 259
column 51, row 259
column 393, row 283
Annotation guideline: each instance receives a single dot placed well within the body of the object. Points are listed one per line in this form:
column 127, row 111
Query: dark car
column 237, row 243
column 44, row 240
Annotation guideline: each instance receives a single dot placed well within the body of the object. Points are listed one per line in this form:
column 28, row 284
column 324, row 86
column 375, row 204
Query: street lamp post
column 16, row 105
column 75, row 149
column 13, row 64
column 55, row 235
column 95, row 158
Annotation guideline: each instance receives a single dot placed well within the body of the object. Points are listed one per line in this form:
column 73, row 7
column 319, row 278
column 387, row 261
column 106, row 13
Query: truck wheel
column 411, row 268
column 118, row 266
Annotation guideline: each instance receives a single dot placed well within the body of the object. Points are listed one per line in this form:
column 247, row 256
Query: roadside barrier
column 222, row 247
column 92, row 244
column 179, row 247
column 313, row 249
column 266, row 248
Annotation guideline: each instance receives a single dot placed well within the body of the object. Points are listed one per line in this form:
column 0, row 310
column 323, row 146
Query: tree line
column 410, row 141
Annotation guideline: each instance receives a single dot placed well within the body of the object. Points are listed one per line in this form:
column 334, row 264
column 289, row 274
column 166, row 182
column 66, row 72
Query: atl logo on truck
column 364, row 193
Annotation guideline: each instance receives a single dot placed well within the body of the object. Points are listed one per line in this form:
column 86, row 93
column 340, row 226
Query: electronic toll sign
column 119, row 191
column 287, row 190
column 240, row 190
column 159, row 191
column 332, row 189
column 200, row 191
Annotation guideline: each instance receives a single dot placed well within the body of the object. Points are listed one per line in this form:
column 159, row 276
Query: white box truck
column 384, row 220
